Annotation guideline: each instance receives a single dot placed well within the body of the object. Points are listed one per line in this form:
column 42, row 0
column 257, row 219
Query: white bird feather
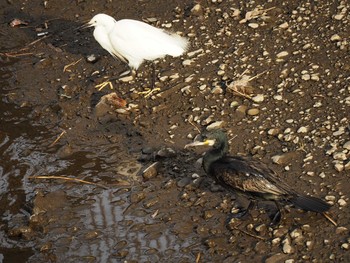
column 134, row 41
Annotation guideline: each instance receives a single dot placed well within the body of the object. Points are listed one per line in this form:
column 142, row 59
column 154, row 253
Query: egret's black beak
column 85, row 25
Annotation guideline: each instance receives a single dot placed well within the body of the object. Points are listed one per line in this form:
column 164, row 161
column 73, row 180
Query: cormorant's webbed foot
column 276, row 218
column 242, row 212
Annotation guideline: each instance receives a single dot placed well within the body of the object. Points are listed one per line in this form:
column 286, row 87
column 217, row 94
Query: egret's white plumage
column 134, row 41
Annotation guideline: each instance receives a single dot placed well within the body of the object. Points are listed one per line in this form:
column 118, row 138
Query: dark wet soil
column 50, row 127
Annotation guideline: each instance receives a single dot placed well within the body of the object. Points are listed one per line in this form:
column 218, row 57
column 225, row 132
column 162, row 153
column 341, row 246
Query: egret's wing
column 138, row 40
column 103, row 39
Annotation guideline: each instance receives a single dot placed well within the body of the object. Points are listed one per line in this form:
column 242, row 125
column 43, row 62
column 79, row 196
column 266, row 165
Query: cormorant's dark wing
column 248, row 175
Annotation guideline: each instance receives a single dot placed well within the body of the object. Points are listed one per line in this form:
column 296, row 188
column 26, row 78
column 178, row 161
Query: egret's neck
column 106, row 27
column 214, row 155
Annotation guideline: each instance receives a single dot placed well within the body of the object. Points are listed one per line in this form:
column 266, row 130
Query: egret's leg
column 152, row 90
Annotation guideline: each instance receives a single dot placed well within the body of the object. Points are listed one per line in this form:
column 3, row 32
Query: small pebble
column 347, row 145
column 282, row 54
column 151, row 171
column 287, row 248
column 215, row 125
column 92, row 58
column 284, row 25
column 253, row 25
column 345, row 246
column 253, row 112
column 339, row 167
column 335, row 37
column 302, row 130
column 342, row 202
column 258, row 98
column 126, row 78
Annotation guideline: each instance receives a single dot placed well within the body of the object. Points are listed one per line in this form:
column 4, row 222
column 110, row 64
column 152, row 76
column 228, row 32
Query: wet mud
column 81, row 182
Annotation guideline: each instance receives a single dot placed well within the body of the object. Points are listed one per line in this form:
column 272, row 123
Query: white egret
column 134, row 41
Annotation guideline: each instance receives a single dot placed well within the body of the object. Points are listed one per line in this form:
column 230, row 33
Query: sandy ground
column 275, row 75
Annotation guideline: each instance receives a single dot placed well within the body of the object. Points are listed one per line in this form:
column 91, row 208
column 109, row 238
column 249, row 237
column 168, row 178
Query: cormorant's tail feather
column 309, row 203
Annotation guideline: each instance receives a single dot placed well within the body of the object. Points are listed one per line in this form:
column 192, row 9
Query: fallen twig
column 249, row 234
column 67, row 179
column 328, row 217
column 65, row 68
column 14, row 55
column 57, row 139
column 198, row 258
column 190, row 121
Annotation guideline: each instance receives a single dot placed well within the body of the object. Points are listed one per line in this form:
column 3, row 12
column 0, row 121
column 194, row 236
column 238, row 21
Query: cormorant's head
column 217, row 139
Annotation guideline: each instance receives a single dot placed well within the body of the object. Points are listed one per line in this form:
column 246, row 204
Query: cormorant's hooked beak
column 207, row 142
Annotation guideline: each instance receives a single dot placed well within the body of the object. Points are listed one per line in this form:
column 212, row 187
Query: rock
column 341, row 202
column 347, row 145
column 339, row 167
column 302, row 129
column 278, row 97
column 276, row 241
column 273, row 131
column 283, row 158
column 347, row 166
column 253, row 25
column 339, row 156
column 345, row 246
column 92, row 58
column 166, row 152
column 341, row 230
column 277, row 258
column 183, row 182
column 187, row 62
column 215, row 125
column 282, row 54
column 335, row 37
column 197, row 10
column 287, row 248
column 217, row 90
column 151, row 171
column 258, row 98
column 284, row 25
column 339, row 16
column 195, row 52
column 234, row 104
column 253, row 112
column 242, row 109
column 137, row 197
column 339, row 132
column 305, row 77
column 126, row 78
column 322, row 175
column 280, row 232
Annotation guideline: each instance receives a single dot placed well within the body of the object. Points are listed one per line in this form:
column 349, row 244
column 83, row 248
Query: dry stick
column 67, row 179
column 249, row 234
column 241, row 94
column 328, row 217
column 38, row 40
column 71, row 64
column 258, row 75
column 57, row 139
column 198, row 257
column 11, row 55
column 194, row 125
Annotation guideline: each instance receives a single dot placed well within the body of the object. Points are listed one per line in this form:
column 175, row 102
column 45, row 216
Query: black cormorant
column 251, row 177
